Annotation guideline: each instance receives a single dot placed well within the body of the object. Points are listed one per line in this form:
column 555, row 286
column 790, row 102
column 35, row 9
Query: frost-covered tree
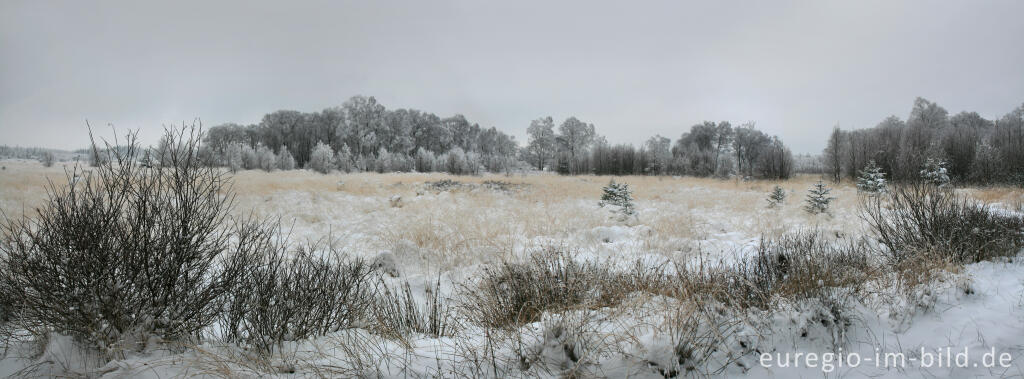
column 321, row 159
column 233, row 157
column 385, row 161
column 265, row 158
column 455, row 161
column 660, row 150
column 871, row 179
column 619, row 198
column 833, row 155
column 424, row 160
column 818, row 199
column 207, row 156
column 776, row 197
column 575, row 136
column 285, row 160
column 934, row 172
column 343, row 160
column 147, row 158
column 250, row 160
column 541, row 148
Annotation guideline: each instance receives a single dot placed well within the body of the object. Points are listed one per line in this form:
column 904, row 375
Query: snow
column 978, row 308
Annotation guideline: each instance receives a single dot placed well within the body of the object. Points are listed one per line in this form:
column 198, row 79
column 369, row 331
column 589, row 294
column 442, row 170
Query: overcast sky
column 633, row 69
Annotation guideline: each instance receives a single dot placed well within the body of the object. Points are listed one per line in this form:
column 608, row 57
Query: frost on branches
column 619, row 198
column 321, row 159
column 818, row 199
column 871, row 179
column 776, row 197
column 934, row 172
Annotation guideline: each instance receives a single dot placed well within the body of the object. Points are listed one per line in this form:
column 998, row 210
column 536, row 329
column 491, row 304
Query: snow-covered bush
column 871, row 179
column 818, row 199
column 265, row 158
column 250, row 160
column 285, row 160
column 619, row 199
column 690, row 339
column 934, row 172
column 567, row 345
column 128, row 253
column 291, row 296
column 923, row 218
column 321, row 159
column 776, row 197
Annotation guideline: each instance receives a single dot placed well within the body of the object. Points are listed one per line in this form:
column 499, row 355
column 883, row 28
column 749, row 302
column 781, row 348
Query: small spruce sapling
column 619, row 198
column 871, row 179
column 777, row 197
column 934, row 172
column 818, row 199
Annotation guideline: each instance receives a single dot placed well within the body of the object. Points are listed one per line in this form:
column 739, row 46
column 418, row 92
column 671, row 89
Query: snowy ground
column 456, row 233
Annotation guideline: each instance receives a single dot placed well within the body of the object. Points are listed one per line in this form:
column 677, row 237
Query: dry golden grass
column 1006, row 195
column 472, row 224
column 23, row 184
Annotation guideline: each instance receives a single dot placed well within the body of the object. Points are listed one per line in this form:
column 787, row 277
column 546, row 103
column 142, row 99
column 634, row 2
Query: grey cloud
column 634, row 69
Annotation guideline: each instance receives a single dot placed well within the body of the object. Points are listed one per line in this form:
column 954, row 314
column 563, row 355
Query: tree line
column 971, row 148
column 708, row 149
column 361, row 135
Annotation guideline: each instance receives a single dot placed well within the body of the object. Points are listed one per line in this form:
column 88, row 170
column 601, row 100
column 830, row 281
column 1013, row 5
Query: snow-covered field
column 452, row 234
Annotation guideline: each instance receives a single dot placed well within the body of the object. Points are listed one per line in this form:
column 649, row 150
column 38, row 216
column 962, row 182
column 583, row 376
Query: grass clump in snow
column 515, row 293
column 799, row 265
column 397, row 314
column 550, row 280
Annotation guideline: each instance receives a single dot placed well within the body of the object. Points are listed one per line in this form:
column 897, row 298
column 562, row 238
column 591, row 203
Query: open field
column 445, row 239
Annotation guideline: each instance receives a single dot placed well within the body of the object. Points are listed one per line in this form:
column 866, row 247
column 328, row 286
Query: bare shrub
column 288, row 297
column 126, row 252
column 802, row 264
column 916, row 218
